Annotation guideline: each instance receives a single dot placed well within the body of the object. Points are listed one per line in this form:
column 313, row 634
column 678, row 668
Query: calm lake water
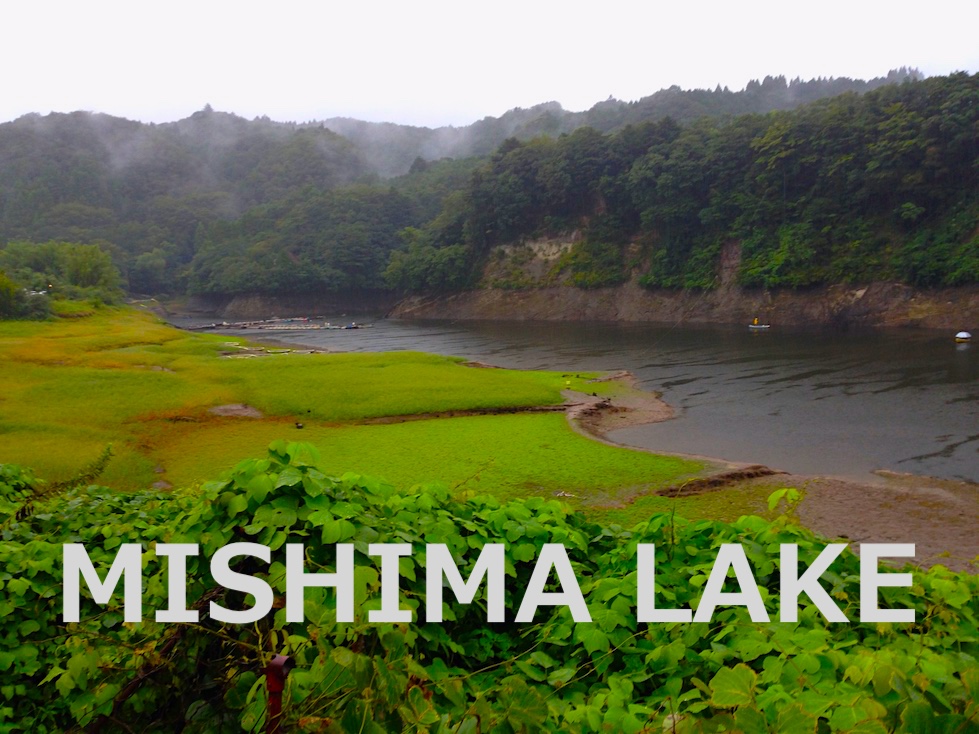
column 833, row 403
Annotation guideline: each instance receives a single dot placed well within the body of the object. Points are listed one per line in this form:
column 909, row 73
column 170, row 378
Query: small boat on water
column 963, row 337
column 755, row 326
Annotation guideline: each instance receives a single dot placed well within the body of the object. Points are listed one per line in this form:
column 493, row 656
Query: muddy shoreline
column 939, row 516
column 880, row 304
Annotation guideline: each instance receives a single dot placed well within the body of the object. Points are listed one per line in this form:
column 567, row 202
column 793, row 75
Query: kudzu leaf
column 330, row 532
column 523, row 552
column 259, row 487
column 561, row 676
column 733, row 686
column 775, row 497
column 347, row 530
column 277, row 517
column 749, row 718
column 314, row 484
column 593, row 639
column 543, row 659
column 342, row 656
column 796, row 720
column 289, row 477
column 18, row 586
column 919, row 718
column 28, row 627
column 530, row 671
column 237, row 503
column 64, row 684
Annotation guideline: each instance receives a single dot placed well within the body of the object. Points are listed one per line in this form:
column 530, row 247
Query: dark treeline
column 854, row 187
column 848, row 189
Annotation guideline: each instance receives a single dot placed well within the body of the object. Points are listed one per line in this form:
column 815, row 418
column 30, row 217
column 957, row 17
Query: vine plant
column 463, row 675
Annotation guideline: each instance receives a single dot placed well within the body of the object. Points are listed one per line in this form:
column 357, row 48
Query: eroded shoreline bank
column 885, row 304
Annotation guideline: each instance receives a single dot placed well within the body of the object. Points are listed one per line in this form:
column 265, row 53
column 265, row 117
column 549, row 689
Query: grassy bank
column 121, row 377
column 509, row 456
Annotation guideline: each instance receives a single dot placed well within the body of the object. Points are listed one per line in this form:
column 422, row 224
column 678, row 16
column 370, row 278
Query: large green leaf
column 733, row 686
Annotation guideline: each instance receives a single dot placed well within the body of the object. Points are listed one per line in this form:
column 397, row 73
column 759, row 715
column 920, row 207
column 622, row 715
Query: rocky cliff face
column 527, row 282
column 876, row 304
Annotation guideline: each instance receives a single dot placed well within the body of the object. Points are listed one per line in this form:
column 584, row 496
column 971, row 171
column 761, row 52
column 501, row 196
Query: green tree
column 8, row 297
column 89, row 266
column 148, row 272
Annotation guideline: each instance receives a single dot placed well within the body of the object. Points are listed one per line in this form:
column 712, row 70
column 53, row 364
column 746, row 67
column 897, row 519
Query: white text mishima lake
column 441, row 571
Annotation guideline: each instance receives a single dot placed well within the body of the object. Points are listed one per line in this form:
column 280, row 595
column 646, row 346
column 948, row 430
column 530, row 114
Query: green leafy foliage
column 594, row 265
column 465, row 674
column 67, row 270
column 9, row 297
column 311, row 241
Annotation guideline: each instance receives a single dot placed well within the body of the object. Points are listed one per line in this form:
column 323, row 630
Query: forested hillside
column 848, row 189
column 855, row 187
column 145, row 192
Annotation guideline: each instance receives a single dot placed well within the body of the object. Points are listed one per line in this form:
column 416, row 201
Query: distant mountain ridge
column 215, row 203
column 390, row 148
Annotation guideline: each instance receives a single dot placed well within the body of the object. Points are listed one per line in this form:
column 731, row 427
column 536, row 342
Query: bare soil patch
column 266, row 348
column 236, row 410
column 940, row 517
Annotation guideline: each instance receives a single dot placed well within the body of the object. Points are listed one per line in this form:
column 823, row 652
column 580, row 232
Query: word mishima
column 441, row 571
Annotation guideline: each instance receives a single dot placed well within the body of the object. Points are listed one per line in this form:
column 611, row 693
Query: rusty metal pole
column 275, row 681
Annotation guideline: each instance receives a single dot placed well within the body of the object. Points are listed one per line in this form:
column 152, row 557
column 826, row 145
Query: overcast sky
column 445, row 62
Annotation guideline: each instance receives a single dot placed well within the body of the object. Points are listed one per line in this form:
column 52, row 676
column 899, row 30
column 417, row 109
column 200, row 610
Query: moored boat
column 962, row 337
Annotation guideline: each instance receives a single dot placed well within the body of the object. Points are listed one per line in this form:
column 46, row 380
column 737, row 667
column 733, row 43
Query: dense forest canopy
column 852, row 188
column 848, row 189
column 866, row 180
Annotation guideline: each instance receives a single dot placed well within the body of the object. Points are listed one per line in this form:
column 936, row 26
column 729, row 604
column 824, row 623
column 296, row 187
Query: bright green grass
column 127, row 344
column 342, row 387
column 70, row 387
column 72, row 308
column 506, row 456
column 120, row 376
column 97, row 397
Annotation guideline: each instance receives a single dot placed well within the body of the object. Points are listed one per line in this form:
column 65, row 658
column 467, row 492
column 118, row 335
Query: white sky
column 444, row 61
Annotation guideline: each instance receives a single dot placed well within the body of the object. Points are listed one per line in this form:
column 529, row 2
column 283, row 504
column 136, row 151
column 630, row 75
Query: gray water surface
column 819, row 402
